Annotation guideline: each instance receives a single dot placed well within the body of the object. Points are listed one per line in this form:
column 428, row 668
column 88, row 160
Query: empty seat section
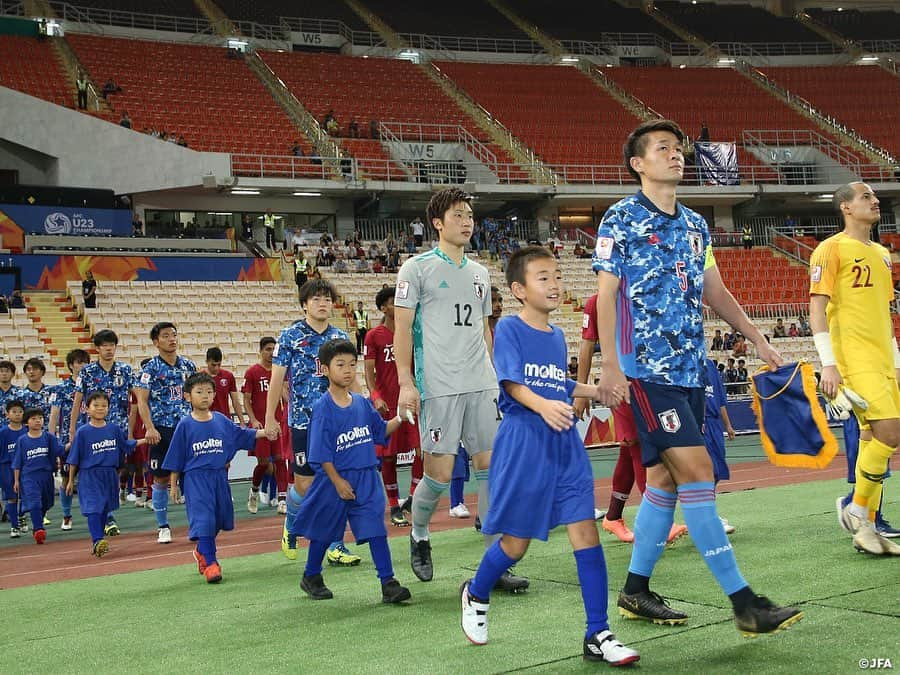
column 864, row 98
column 163, row 7
column 29, row 65
column 217, row 103
column 463, row 17
column 579, row 20
column 556, row 110
column 782, row 282
column 269, row 12
column 736, row 23
column 860, row 25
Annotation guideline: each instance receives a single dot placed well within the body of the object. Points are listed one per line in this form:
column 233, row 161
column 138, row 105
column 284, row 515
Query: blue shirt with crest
column 38, row 399
column 14, row 393
column 166, row 386
column 62, row 398
column 117, row 382
column 659, row 259
column 298, row 351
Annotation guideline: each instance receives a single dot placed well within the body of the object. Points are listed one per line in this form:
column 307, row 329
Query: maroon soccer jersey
column 225, row 384
column 256, row 383
column 379, row 347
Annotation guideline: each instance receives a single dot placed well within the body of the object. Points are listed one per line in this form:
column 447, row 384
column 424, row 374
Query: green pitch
column 257, row 620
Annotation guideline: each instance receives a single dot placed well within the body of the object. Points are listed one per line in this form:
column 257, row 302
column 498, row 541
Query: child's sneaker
column 281, row 510
column 122, row 497
column 111, row 529
column 460, row 511
column 40, row 536
column 290, row 552
column 213, row 573
column 164, row 535
column 340, row 555
column 14, row 533
column 47, row 521
column 315, row 587
column 474, row 616
column 392, row 592
column 263, row 499
column 66, row 523
column 23, row 523
column 201, row 561
column 130, row 497
column 101, row 548
column 604, row 646
column 140, row 502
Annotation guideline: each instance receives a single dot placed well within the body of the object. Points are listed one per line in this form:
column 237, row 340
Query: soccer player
column 381, row 380
column 8, row 391
column 161, row 405
column 35, row 460
column 541, row 475
column 9, row 434
column 202, row 446
column 442, row 310
column 655, row 268
column 61, row 405
column 296, row 357
column 629, row 469
column 269, row 453
column 344, row 428
column 226, row 386
column 849, row 311
column 98, row 450
column 36, row 394
column 716, row 424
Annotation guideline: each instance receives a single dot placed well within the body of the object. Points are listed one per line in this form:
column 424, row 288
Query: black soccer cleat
column 406, row 505
column 649, row 606
column 511, row 583
column 420, row 559
column 477, row 523
column 315, row 587
column 392, row 592
column 397, row 517
column 764, row 616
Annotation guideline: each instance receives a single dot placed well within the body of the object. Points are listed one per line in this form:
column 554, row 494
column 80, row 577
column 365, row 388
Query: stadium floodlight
column 725, row 61
column 569, row 59
column 245, row 192
column 869, row 58
column 307, row 194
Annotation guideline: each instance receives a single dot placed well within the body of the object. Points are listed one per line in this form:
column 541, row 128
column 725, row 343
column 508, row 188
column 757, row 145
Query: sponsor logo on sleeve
column 604, row 248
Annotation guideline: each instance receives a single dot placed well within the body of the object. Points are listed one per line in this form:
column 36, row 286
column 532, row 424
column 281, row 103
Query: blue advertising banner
column 69, row 220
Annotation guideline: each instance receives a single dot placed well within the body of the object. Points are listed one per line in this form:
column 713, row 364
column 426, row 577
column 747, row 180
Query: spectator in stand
column 718, row 344
column 790, row 224
column 297, row 149
column 332, row 126
column 579, row 251
column 89, row 291
column 111, row 88
column 137, row 226
column 374, row 251
column 390, row 244
column 378, row 265
column 803, row 326
column 730, row 376
column 373, row 130
column 742, row 376
column 740, row 346
column 779, row 331
column 704, row 133
column 573, row 368
column 16, row 301
column 418, row 232
column 339, row 265
column 393, row 261
column 182, row 142
column 353, row 128
column 793, row 331
column 247, row 227
column 728, row 341
column 125, row 121
column 410, row 244
column 4, row 305
column 362, row 265
column 81, row 84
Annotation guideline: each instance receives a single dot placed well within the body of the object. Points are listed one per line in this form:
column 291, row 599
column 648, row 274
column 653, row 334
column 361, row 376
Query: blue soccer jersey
column 298, row 351
column 659, row 260
column 206, row 445
column 715, row 391
column 14, row 393
column 62, row 398
column 38, row 399
column 117, row 382
column 8, row 438
column 94, row 447
column 165, row 383
column 346, row 437
column 36, row 455
column 535, row 358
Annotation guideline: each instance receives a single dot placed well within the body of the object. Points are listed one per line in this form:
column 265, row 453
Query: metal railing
column 420, row 132
column 110, row 17
column 766, row 138
column 777, row 48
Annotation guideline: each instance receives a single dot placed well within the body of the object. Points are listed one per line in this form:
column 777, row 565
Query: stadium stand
column 576, row 20
column 469, row 18
column 861, row 97
column 30, row 66
column 857, row 25
column 556, row 110
column 736, row 23
column 179, row 88
column 269, row 12
column 162, row 7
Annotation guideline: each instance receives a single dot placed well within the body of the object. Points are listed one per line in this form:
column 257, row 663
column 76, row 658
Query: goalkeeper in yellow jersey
column 849, row 312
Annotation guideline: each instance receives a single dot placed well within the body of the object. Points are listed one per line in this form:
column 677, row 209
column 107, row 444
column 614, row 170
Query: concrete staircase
column 58, row 324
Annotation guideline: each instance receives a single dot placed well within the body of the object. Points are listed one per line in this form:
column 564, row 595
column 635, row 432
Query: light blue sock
column 161, row 504
column 294, row 500
column 65, row 501
column 494, row 563
column 698, row 502
column 425, row 501
column 651, row 530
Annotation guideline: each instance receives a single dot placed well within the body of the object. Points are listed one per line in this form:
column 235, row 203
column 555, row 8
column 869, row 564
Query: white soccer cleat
column 131, row 497
column 460, row 511
column 253, row 501
column 164, row 536
column 729, row 528
column 282, row 508
column 474, row 617
column 604, row 646
column 264, row 498
column 850, row 522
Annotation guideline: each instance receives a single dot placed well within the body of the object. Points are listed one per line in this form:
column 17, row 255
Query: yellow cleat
column 289, row 552
column 339, row 555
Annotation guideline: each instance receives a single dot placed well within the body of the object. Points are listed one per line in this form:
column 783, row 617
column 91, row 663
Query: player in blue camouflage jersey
column 655, row 267
column 161, row 404
column 61, row 425
column 296, row 360
column 8, row 391
column 36, row 394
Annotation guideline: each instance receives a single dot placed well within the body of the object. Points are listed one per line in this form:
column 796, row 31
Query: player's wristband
column 823, row 347
column 896, row 354
column 399, row 419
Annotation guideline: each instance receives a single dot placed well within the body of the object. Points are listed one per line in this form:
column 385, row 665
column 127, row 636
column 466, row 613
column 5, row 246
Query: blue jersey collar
column 643, row 199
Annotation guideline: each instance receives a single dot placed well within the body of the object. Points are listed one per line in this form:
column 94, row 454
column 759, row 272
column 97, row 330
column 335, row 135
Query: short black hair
column 845, row 193
column 197, row 379
column 332, row 348
column 77, row 355
column 159, row 328
column 94, row 395
column 518, row 261
column 495, row 290
column 214, row 354
column 36, row 362
column 32, row 412
column 9, row 365
column 105, row 336
column 268, row 340
column 384, row 295
column 442, row 200
column 145, row 361
column 15, row 403
column 315, row 287
column 637, row 140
